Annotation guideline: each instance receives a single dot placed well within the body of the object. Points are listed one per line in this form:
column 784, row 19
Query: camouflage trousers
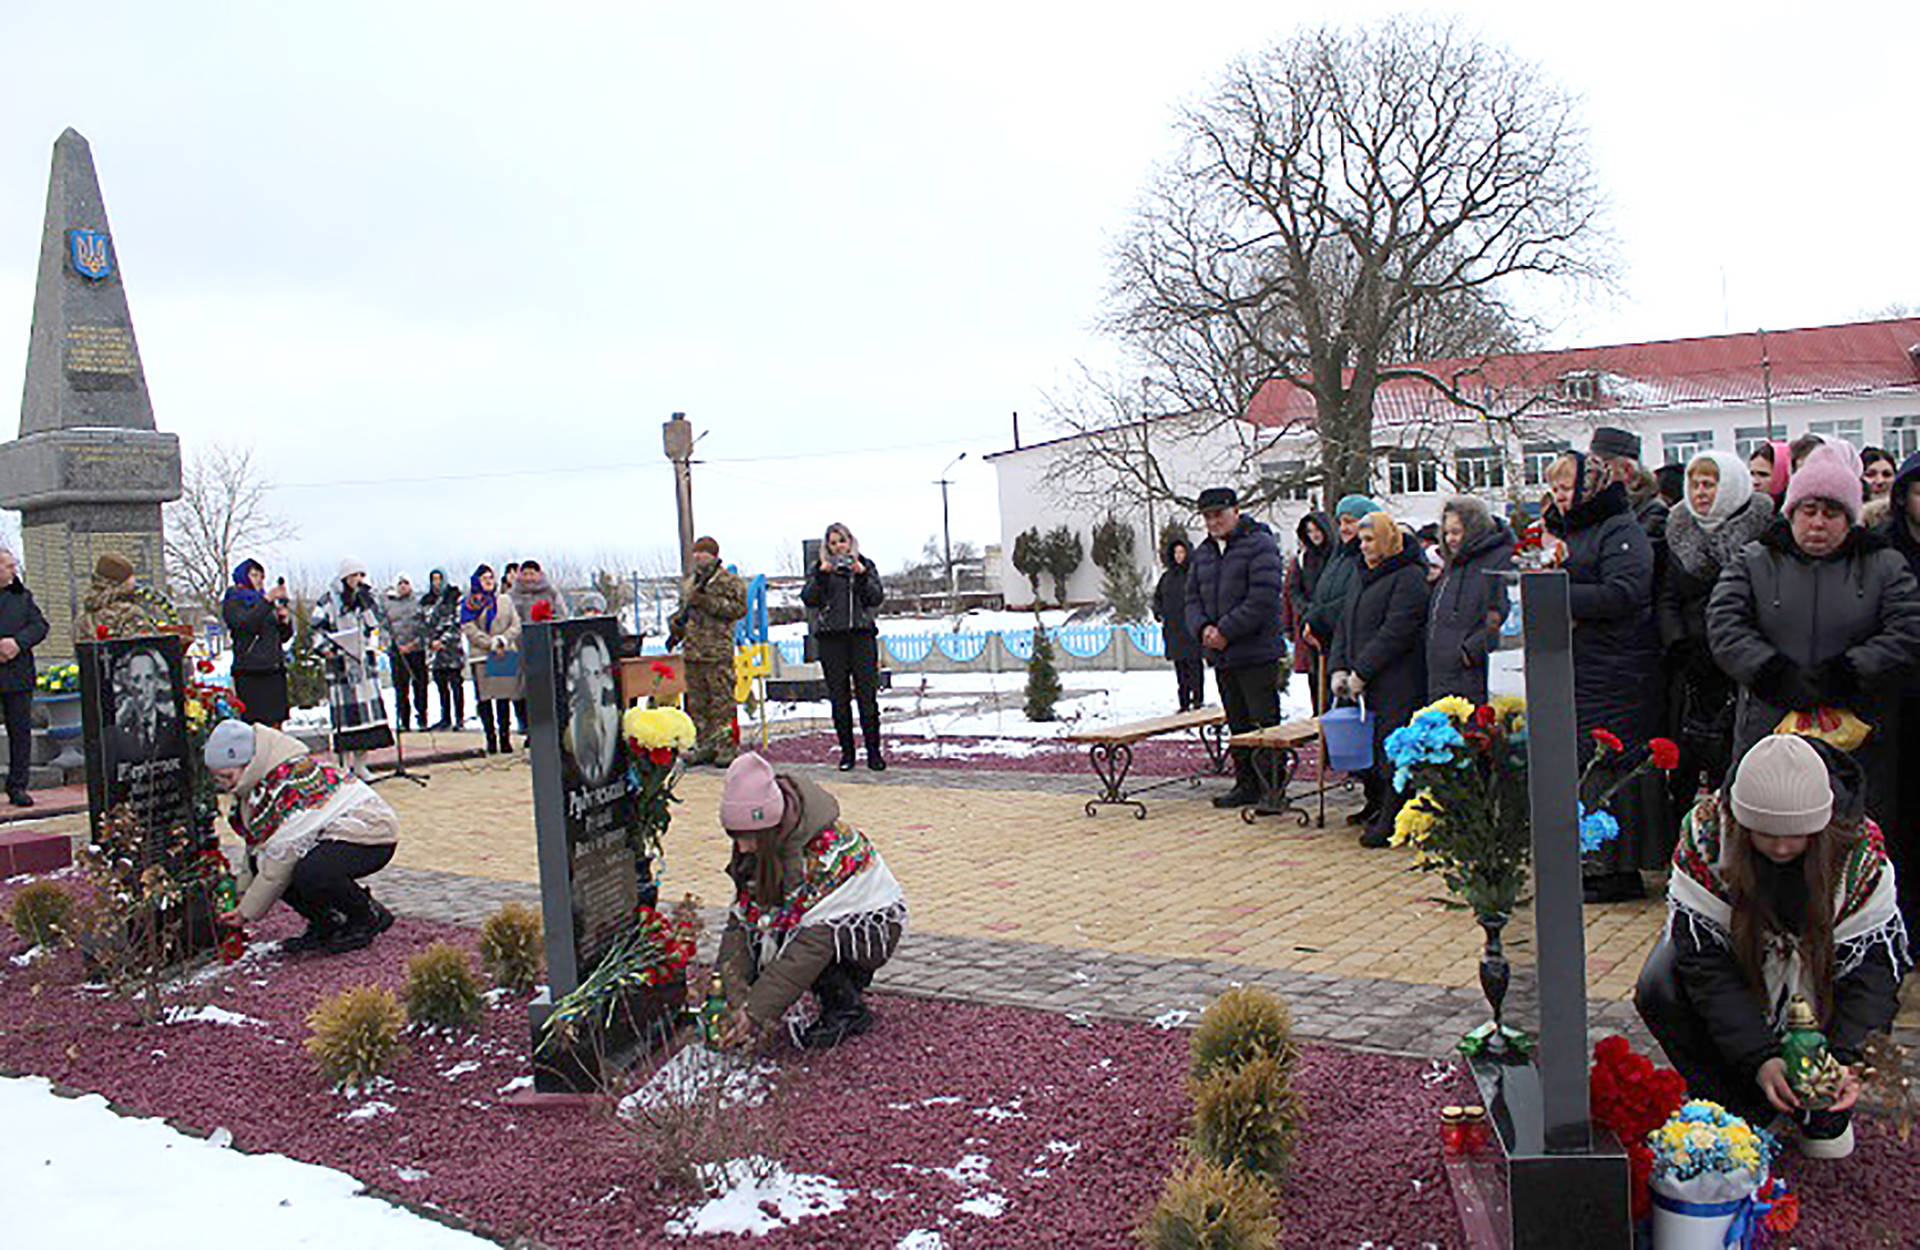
column 710, row 703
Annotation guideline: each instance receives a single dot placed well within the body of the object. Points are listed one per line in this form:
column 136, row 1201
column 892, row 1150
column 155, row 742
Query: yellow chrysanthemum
column 1454, row 706
column 659, row 727
column 1416, row 820
column 1700, row 1137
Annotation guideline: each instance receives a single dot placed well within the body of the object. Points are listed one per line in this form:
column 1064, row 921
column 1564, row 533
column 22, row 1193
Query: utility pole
column 676, row 436
column 1146, row 456
column 946, row 531
column 1766, row 379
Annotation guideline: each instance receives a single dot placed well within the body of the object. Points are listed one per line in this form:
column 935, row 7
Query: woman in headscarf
column 1772, row 467
column 1616, row 662
column 1780, row 888
column 492, row 631
column 1170, row 609
column 446, row 657
column 1469, row 599
column 1379, row 653
column 1719, row 513
column 259, row 625
column 343, row 636
column 1316, row 534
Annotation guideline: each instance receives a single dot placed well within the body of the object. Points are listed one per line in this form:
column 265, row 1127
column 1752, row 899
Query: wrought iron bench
column 1111, row 751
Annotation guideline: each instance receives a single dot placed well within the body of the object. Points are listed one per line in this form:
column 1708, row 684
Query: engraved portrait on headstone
column 592, row 737
column 133, row 709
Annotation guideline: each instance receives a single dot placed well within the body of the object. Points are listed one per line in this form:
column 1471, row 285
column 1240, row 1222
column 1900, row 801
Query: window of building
column 1535, row 457
column 1854, row 430
column 1479, row 468
column 1290, row 479
column 1412, row 473
column 1580, row 388
column 1748, row 439
column 1682, row 446
column 1901, row 435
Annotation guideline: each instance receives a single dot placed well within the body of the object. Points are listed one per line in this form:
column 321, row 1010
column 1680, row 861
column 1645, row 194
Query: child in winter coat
column 1780, row 887
column 817, row 907
column 313, row 830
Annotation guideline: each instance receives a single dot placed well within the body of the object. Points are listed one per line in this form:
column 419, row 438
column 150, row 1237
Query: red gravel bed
column 1078, row 1124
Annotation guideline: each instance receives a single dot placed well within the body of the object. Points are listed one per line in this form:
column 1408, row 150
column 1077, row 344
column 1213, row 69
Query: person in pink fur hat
column 1820, row 617
column 816, row 908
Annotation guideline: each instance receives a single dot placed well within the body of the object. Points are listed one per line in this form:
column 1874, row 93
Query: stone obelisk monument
column 89, row 470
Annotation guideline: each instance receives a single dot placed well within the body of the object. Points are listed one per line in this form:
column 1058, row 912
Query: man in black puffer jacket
column 21, row 627
column 1233, row 608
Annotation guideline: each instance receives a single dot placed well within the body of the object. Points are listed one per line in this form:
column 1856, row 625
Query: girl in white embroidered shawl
column 1780, row 887
column 816, row 907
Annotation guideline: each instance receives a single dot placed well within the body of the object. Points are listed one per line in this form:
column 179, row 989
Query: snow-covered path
column 72, row 1173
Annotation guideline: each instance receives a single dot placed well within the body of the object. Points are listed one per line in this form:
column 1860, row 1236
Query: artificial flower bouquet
column 1632, row 1098
column 59, row 679
column 1466, row 768
column 1711, row 1181
column 655, row 737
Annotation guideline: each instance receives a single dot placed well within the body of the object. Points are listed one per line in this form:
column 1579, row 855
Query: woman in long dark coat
column 1316, row 534
column 1469, row 600
column 1616, row 659
column 1379, row 653
column 1170, row 609
column 258, row 623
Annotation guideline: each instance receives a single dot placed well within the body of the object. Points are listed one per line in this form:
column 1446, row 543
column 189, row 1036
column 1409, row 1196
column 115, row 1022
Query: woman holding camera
column 258, row 622
column 844, row 592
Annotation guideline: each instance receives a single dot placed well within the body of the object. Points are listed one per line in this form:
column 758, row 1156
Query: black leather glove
column 1837, row 681
column 1782, row 682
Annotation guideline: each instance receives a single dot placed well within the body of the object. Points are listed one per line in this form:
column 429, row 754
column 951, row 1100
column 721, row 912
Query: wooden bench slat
column 1134, row 731
column 1296, row 733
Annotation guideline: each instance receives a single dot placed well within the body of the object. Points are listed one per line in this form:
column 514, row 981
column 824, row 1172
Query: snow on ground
column 756, row 1195
column 94, row 1175
column 695, row 1074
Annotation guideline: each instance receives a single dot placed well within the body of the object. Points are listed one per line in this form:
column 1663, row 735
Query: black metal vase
column 1495, row 974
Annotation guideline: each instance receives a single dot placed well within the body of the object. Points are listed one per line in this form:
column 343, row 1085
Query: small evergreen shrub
column 443, row 991
column 1242, row 1024
column 1248, row 1117
column 511, row 943
column 1043, row 679
column 42, row 913
column 1207, row 1207
column 356, row 1034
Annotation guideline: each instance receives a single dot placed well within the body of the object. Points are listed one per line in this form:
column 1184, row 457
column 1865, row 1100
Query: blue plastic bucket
column 1348, row 734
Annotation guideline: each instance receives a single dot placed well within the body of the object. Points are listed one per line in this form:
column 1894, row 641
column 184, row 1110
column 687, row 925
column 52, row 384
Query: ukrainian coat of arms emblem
column 92, row 253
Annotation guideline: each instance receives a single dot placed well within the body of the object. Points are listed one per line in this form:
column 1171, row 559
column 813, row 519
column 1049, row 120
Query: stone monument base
column 644, row 1021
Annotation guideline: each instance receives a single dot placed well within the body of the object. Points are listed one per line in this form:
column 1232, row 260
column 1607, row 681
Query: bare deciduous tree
column 221, row 517
column 1349, row 200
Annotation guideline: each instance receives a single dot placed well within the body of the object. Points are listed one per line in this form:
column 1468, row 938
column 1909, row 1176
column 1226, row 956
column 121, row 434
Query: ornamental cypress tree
column 1043, row 679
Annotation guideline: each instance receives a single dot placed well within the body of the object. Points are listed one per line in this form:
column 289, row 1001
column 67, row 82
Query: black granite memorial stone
column 583, row 816
column 134, row 727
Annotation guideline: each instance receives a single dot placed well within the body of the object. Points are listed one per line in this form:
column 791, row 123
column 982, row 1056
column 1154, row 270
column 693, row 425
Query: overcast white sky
column 448, row 267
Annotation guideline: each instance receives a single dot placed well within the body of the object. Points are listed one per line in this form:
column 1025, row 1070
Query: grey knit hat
column 1781, row 788
column 230, row 745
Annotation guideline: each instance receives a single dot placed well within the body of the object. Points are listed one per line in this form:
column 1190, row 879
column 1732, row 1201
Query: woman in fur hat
column 816, row 908
column 1780, row 887
column 343, row 627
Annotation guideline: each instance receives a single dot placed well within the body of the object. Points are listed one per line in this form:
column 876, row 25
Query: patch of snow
column 988, row 1206
column 1011, row 1111
column 922, row 1239
column 222, row 1136
column 411, row 1174
column 696, row 1073
column 516, row 1084
column 1172, row 1019
column 938, row 1100
column 32, row 954
column 755, row 1196
column 161, row 1179
column 461, row 1069
column 366, row 1111
column 494, row 997
column 208, row 1014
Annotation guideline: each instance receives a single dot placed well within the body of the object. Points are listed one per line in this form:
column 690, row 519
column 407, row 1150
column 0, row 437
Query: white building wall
column 1890, row 421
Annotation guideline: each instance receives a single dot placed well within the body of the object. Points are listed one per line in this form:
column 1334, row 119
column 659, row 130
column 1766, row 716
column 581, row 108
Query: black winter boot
column 843, row 1009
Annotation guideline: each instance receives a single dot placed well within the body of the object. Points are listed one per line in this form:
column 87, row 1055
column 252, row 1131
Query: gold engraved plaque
column 101, row 349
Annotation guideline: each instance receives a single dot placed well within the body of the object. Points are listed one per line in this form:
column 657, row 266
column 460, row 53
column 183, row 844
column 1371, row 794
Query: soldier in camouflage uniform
column 713, row 599
column 114, row 607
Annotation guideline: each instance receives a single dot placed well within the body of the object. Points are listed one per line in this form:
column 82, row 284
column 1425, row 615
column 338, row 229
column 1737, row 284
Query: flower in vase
column 1596, row 829
column 1416, row 820
column 1453, row 707
column 663, row 727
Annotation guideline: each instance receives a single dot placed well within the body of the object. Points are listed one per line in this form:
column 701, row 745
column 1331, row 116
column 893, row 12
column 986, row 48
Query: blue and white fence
column 1123, row 647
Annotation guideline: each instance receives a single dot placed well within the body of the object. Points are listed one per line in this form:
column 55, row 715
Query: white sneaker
column 1828, row 1147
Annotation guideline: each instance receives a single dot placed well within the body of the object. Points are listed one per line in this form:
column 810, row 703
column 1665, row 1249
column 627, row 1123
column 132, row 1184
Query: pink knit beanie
column 1830, row 471
column 751, row 800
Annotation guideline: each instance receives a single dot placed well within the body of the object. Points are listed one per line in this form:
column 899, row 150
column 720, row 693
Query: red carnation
column 542, row 610
column 1784, row 1215
column 1608, row 741
column 662, row 669
column 1666, row 756
column 100, row 632
column 661, row 755
column 1612, row 1049
column 205, row 666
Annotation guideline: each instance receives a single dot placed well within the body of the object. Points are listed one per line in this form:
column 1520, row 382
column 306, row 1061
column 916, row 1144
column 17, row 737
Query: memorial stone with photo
column 133, row 716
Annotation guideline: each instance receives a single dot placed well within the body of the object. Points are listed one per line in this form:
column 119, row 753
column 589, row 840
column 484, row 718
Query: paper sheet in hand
column 351, row 641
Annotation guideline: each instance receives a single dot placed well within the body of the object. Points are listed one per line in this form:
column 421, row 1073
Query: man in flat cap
column 1233, row 608
column 1618, row 453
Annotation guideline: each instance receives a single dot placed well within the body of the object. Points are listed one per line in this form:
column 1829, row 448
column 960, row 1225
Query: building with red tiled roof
column 1492, row 425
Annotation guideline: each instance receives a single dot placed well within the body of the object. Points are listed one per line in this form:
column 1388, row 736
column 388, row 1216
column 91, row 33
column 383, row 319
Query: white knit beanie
column 230, row 745
column 1781, row 788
